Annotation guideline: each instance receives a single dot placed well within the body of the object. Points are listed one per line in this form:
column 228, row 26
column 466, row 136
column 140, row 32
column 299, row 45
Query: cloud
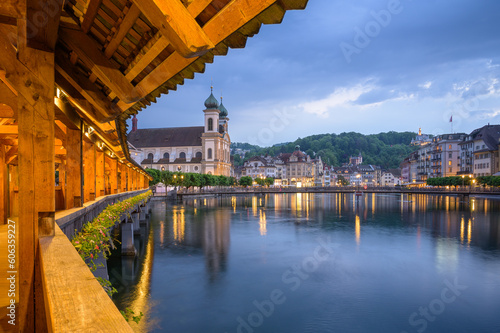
column 341, row 97
column 425, row 85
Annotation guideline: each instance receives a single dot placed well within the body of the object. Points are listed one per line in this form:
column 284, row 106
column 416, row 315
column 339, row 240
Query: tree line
column 466, row 181
column 384, row 149
column 189, row 179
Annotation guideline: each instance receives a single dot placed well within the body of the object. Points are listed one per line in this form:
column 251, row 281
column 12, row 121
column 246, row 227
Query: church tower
column 210, row 136
column 223, row 119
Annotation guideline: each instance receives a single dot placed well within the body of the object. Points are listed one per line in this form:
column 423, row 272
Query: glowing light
column 469, row 232
column 262, row 223
column 254, row 205
column 358, row 230
column 179, row 220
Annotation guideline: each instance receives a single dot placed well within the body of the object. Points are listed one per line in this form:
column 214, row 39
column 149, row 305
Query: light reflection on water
column 206, row 262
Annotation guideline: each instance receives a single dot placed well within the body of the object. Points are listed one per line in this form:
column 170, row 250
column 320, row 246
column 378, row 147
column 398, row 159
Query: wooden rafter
column 8, row 129
column 59, row 132
column 88, row 51
column 6, row 111
column 11, row 154
column 66, row 114
column 86, row 88
column 13, row 8
column 43, row 17
column 177, row 25
column 160, row 42
column 78, row 100
column 90, row 14
column 232, row 17
column 127, row 23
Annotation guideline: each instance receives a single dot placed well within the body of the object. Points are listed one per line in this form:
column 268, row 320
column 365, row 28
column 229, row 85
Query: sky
column 366, row 66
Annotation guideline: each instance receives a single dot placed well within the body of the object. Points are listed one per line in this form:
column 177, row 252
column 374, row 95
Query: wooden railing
column 74, row 300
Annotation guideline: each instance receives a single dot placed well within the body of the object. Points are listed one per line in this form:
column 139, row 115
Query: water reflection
column 428, row 237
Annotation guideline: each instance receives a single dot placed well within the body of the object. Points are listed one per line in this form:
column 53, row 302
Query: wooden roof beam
column 13, row 8
column 43, row 36
column 178, row 25
column 59, row 132
column 86, row 88
column 90, row 14
column 235, row 15
column 11, row 154
column 128, row 21
column 160, row 43
column 8, row 129
column 66, row 114
column 88, row 50
column 78, row 100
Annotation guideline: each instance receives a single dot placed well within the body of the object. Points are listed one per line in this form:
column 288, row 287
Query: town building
column 421, row 139
column 479, row 152
column 198, row 149
column 391, row 177
column 259, row 167
column 454, row 154
column 356, row 160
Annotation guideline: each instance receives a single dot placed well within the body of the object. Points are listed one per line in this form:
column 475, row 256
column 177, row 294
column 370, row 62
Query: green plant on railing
column 128, row 314
column 94, row 240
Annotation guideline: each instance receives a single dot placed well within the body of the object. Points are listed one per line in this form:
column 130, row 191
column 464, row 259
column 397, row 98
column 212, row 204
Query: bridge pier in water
column 128, row 247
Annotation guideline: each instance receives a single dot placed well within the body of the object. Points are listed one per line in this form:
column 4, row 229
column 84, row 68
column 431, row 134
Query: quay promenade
column 346, row 189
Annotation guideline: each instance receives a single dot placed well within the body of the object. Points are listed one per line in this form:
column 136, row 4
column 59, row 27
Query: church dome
column 211, row 102
column 223, row 110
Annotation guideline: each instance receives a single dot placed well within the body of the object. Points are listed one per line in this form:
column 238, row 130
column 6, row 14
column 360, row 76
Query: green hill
column 385, row 149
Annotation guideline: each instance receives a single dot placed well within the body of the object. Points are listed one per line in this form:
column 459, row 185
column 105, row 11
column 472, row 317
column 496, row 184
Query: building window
column 182, row 155
column 166, row 155
column 195, row 168
column 150, row 156
column 449, row 146
column 198, row 154
column 210, row 124
column 449, row 162
column 209, row 153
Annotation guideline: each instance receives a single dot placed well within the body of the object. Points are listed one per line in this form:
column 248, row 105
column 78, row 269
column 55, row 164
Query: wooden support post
column 61, row 200
column 99, row 174
column 89, row 180
column 130, row 182
column 4, row 178
column 35, row 85
column 123, row 177
column 113, row 175
column 73, row 168
column 12, row 171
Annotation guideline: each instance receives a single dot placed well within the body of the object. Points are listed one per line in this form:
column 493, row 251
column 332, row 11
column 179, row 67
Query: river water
column 316, row 263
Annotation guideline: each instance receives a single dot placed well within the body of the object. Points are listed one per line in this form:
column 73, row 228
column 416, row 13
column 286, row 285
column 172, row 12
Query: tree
column 269, row 181
column 343, row 181
column 246, row 181
column 260, row 181
column 167, row 177
column 156, row 174
column 191, row 179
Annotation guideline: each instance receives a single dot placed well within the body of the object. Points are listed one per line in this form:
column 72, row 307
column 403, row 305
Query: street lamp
column 463, row 178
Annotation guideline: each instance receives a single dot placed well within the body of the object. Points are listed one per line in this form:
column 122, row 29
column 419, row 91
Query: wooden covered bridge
column 71, row 73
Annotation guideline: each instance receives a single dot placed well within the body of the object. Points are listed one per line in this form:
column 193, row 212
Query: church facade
column 198, row 149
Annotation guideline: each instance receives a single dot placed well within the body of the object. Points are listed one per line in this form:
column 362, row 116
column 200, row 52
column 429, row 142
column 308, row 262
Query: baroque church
column 198, row 149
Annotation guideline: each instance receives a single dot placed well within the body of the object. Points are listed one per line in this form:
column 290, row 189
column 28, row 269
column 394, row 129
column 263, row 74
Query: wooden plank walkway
column 4, row 283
